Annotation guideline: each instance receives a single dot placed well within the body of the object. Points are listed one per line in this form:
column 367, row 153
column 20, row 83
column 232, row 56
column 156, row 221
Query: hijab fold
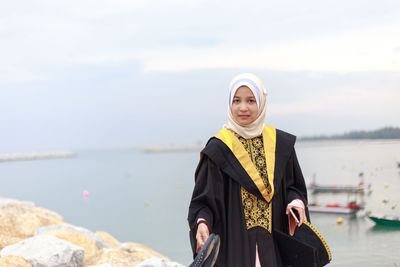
column 256, row 86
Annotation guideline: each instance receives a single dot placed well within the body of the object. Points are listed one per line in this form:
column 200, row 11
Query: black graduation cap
column 306, row 248
column 208, row 254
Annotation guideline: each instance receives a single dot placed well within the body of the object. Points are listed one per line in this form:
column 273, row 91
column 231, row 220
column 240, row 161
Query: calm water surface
column 144, row 197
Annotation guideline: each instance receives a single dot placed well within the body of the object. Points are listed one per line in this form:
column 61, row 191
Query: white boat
column 351, row 208
column 360, row 188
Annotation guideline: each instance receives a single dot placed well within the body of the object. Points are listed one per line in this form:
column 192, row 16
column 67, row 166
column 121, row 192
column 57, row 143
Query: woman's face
column 244, row 106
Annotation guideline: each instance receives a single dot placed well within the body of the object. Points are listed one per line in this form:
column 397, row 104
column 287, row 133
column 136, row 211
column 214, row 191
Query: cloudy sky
column 116, row 74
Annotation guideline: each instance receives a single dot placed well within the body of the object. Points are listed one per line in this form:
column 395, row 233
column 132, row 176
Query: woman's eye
column 235, row 100
column 252, row 100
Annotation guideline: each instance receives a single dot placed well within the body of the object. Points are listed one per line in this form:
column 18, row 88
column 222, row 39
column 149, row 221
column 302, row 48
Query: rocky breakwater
column 38, row 237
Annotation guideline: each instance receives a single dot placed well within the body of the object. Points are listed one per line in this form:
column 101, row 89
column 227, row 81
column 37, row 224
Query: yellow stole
column 269, row 140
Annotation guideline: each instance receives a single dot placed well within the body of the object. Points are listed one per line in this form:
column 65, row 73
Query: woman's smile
column 244, row 106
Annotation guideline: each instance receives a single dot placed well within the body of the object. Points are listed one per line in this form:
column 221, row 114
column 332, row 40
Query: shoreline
column 35, row 236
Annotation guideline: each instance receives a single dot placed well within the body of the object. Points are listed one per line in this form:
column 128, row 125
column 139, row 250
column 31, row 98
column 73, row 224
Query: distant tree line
column 383, row 133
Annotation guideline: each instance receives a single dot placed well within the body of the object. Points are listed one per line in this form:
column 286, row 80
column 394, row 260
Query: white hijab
column 256, row 86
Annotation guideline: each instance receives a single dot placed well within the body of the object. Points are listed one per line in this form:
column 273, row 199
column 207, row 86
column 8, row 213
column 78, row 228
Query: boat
column 360, row 188
column 385, row 220
column 335, row 208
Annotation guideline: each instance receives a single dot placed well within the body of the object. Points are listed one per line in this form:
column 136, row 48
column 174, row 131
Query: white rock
column 100, row 243
column 102, row 265
column 6, row 201
column 46, row 251
column 158, row 262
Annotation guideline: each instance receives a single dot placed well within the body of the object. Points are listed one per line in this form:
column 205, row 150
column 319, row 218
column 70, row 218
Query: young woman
column 247, row 180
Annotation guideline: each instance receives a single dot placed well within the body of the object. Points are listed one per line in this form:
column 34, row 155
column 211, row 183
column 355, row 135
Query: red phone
column 294, row 215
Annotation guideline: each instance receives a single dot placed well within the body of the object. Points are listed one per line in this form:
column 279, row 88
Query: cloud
column 17, row 74
column 371, row 49
column 342, row 101
column 127, row 66
column 177, row 36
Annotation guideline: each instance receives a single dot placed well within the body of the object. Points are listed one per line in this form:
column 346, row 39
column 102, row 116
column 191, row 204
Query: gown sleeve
column 295, row 184
column 207, row 197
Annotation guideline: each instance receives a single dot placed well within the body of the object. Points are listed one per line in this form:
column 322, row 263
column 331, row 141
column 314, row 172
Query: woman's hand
column 201, row 235
column 300, row 211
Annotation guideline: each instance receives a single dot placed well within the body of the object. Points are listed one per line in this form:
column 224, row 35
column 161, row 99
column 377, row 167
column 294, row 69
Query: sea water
column 144, row 197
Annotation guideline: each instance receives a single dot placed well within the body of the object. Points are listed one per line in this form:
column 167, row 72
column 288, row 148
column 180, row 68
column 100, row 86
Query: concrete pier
column 36, row 156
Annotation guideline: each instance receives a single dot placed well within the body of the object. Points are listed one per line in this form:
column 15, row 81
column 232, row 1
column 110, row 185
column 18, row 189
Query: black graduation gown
column 217, row 198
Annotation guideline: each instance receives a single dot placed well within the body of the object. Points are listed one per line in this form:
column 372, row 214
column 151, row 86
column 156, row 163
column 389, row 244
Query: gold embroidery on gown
column 257, row 211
